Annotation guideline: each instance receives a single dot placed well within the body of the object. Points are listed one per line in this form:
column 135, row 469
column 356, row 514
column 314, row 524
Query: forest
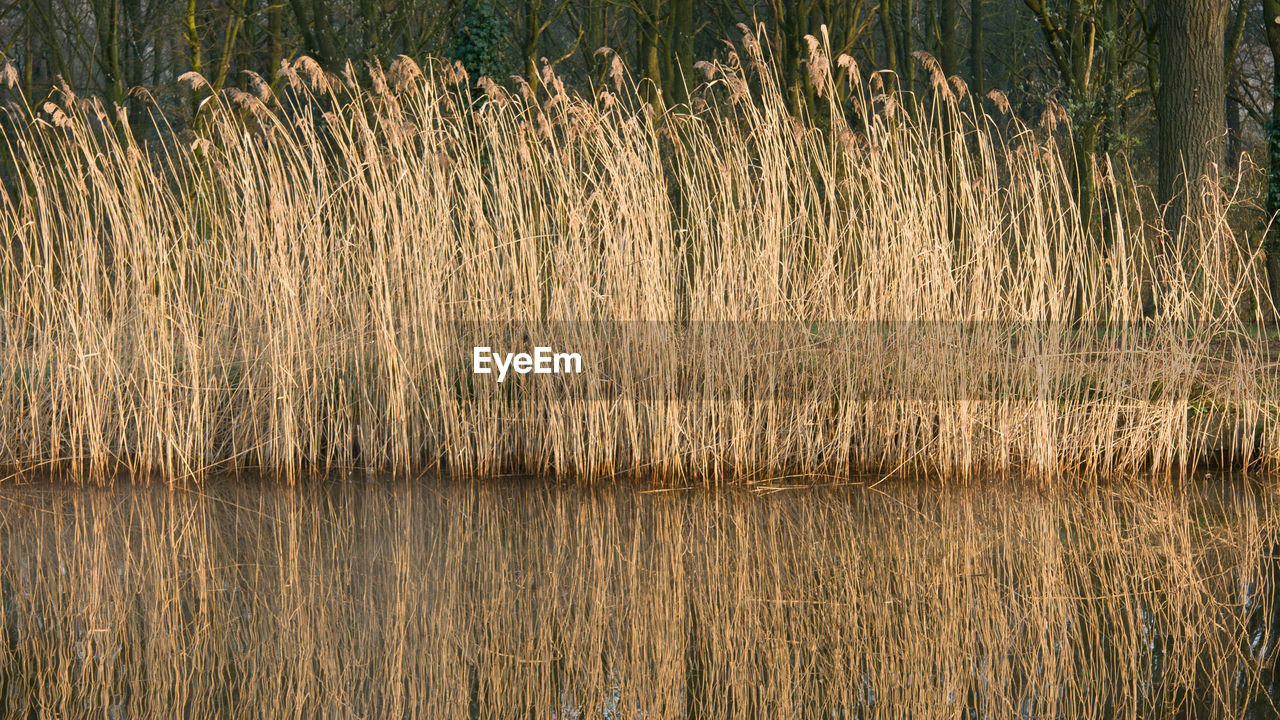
column 1105, row 66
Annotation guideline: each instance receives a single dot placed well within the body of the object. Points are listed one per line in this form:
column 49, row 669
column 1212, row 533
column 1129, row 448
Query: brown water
column 535, row 600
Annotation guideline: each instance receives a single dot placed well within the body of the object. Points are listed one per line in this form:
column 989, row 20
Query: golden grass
column 297, row 284
column 543, row 601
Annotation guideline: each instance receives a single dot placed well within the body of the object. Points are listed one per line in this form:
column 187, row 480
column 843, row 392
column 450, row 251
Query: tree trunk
column 372, row 42
column 792, row 26
column 132, row 64
column 683, row 50
column 29, row 56
column 275, row 26
column 328, row 44
column 947, row 36
column 235, row 19
column 1231, row 47
column 1189, row 108
column 1112, row 71
column 596, row 29
column 106, row 16
column 1086, row 146
column 976, row 49
column 906, row 44
column 192, row 35
column 1271, row 243
column 1232, row 156
column 648, row 53
column 322, row 46
column 532, row 35
column 889, row 32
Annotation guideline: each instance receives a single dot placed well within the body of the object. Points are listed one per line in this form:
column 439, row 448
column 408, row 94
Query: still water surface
column 531, row 599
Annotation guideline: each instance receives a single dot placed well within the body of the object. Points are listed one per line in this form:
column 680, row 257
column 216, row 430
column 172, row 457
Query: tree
column 1091, row 46
column 681, row 44
column 1189, row 106
column 106, row 17
column 847, row 23
column 537, row 19
column 478, row 41
column 191, row 34
column 648, row 15
column 1271, row 17
column 791, row 23
column 317, row 30
column 947, row 36
column 976, row 49
column 1235, row 34
column 896, row 26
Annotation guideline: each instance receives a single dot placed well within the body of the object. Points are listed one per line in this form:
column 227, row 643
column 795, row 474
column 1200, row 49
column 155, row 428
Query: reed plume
column 886, row 283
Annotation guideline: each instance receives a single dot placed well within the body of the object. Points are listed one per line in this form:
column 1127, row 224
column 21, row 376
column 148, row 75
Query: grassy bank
column 296, row 280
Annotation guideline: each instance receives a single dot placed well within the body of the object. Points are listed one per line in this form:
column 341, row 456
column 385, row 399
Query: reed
column 295, row 283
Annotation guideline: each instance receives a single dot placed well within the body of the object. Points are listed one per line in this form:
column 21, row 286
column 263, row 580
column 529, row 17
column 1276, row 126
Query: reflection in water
column 535, row 600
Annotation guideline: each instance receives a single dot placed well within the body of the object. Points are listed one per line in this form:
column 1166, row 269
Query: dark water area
column 531, row 599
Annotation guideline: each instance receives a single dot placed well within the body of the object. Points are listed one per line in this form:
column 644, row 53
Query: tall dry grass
column 492, row 601
column 891, row 283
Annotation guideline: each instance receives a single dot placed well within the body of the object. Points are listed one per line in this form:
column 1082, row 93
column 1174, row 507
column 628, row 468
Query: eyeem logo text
column 543, row 361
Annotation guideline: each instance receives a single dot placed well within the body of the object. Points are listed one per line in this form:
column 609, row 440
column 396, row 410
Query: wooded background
column 1171, row 84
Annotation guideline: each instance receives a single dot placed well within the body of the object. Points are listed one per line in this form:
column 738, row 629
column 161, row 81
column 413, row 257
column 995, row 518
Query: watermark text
column 543, row 361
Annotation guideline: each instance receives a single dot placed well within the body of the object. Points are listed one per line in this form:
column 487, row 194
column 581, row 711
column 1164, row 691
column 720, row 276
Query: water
column 530, row 599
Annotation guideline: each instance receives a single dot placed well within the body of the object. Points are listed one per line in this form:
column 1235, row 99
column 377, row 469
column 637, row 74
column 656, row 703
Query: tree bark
column 976, row 49
column 1235, row 34
column 316, row 30
column 1085, row 140
column 1190, row 104
column 1112, row 71
column 947, row 36
column 327, row 43
column 678, row 59
column 906, row 44
column 106, row 17
column 1271, row 242
column 889, row 31
column 648, row 52
column 235, row 19
column 275, row 27
column 532, row 38
column 29, row 54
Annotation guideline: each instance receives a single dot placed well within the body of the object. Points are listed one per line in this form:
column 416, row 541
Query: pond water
column 531, row 599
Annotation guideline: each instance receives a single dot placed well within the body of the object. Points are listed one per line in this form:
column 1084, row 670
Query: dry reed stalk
column 297, row 286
